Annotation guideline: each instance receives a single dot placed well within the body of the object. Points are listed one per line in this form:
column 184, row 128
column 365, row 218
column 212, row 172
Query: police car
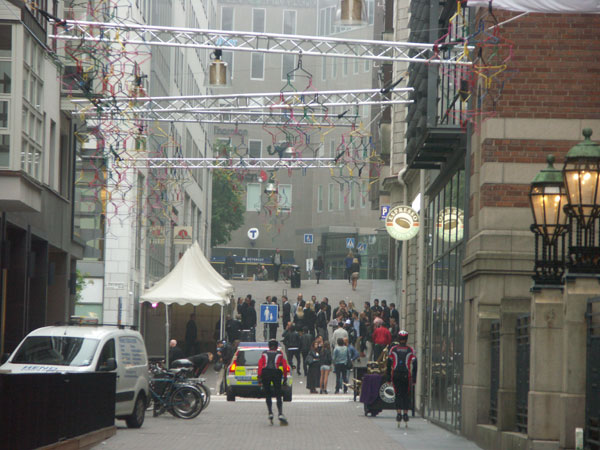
column 242, row 373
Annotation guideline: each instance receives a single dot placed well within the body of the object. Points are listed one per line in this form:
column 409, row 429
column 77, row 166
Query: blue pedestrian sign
column 350, row 242
column 361, row 247
column 268, row 313
column 308, row 238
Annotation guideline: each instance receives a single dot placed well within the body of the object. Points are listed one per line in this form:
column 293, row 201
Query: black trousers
column 378, row 349
column 294, row 353
column 271, row 381
column 276, row 268
column 304, row 365
column 402, row 388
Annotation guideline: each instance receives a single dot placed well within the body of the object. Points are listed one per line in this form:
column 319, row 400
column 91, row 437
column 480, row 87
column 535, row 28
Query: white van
column 90, row 348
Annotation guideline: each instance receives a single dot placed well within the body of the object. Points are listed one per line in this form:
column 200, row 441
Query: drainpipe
column 401, row 181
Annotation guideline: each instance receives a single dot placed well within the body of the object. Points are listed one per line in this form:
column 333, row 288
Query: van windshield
column 56, row 350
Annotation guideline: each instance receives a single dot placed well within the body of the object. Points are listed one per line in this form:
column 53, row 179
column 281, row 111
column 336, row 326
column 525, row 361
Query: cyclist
column 402, row 371
column 270, row 366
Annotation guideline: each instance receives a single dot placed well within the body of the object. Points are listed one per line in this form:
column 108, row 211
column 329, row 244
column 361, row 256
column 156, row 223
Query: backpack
column 401, row 370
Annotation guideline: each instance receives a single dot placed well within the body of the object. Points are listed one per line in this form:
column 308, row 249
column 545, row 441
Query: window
column 367, row 65
column 258, row 59
column 330, row 197
column 364, row 190
column 324, row 69
column 341, row 198
column 254, row 148
column 227, row 24
column 370, row 11
column 288, row 62
column 332, row 149
column 334, row 65
column 352, row 195
column 33, row 90
column 257, row 66
column 356, row 66
column 345, row 67
column 253, row 202
column 108, row 352
column 319, row 198
column 285, row 197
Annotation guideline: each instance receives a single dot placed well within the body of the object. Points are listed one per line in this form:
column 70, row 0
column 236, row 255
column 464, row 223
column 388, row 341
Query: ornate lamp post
column 547, row 198
column 581, row 174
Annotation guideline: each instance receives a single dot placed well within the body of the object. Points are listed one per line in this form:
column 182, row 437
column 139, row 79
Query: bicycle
column 286, row 273
column 171, row 392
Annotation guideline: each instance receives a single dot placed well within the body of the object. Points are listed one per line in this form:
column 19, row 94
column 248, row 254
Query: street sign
column 268, row 313
column 308, row 238
column 253, row 234
column 361, row 247
column 350, row 242
column 384, row 210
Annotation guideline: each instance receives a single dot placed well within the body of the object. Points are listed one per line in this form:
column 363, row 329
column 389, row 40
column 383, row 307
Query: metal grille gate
column 494, row 370
column 592, row 395
column 522, row 335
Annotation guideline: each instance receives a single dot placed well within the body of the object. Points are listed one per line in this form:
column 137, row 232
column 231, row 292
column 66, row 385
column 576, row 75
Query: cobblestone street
column 316, row 422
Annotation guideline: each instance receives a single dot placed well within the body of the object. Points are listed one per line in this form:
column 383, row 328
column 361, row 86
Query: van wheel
column 136, row 419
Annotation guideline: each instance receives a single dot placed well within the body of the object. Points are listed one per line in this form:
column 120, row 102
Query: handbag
column 309, row 359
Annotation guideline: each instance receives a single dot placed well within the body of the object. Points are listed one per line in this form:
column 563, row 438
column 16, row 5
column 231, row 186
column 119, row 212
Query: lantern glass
column 547, row 202
column 581, row 179
column 217, row 73
column 353, row 12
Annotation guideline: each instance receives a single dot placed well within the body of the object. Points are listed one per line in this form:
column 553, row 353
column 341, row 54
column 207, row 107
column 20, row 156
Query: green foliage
column 227, row 207
column 80, row 283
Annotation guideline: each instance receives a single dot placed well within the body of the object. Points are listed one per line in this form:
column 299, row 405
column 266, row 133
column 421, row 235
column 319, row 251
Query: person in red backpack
column 273, row 369
column 402, row 371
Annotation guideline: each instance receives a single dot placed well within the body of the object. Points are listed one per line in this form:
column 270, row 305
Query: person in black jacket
column 394, row 314
column 200, row 362
column 232, row 328
column 385, row 312
column 175, row 352
column 291, row 340
column 319, row 267
column 286, row 312
column 310, row 317
column 306, row 340
column 248, row 313
column 322, row 322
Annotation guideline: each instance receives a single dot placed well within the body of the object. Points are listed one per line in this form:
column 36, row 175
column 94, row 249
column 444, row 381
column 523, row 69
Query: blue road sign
column 308, row 238
column 350, row 242
column 385, row 209
column 268, row 313
column 361, row 247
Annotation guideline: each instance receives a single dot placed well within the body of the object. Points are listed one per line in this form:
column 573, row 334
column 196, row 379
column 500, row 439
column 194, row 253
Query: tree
column 227, row 207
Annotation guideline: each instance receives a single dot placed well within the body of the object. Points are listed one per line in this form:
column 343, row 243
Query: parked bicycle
column 171, row 391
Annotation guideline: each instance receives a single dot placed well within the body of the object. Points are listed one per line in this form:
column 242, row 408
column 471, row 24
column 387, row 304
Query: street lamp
column 352, row 12
column 217, row 71
column 581, row 174
column 547, row 198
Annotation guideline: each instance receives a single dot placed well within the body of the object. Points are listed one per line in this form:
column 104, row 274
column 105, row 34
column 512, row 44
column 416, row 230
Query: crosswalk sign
column 361, row 247
column 350, row 242
column 268, row 313
column 308, row 238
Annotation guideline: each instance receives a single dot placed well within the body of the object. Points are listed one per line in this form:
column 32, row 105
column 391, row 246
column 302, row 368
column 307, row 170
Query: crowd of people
column 319, row 339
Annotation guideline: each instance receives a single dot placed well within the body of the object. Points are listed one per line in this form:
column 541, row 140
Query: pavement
column 315, row 422
column 327, row 422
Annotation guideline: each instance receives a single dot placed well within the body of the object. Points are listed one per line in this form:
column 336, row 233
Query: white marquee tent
column 192, row 281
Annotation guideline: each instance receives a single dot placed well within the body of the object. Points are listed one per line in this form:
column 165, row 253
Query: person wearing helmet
column 402, row 371
column 272, row 368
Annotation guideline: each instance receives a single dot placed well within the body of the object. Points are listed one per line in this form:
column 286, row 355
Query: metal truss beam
column 233, row 117
column 272, row 101
column 224, row 163
column 134, row 34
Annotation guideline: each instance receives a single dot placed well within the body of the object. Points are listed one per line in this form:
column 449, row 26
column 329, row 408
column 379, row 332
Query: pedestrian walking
column 321, row 322
column 291, row 340
column 347, row 264
column 310, row 317
column 340, row 364
column 339, row 333
column 354, row 272
column 306, row 340
column 286, row 311
column 402, row 371
column 319, row 267
column 276, row 261
column 229, row 266
column 381, row 338
column 273, row 326
column 272, row 371
column 313, row 361
column 325, row 367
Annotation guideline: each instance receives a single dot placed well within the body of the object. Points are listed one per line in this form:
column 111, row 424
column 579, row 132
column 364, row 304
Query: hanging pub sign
column 402, row 223
column 451, row 224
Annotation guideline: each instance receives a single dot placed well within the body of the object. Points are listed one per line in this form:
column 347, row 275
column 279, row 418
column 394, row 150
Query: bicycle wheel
column 186, row 402
column 206, row 394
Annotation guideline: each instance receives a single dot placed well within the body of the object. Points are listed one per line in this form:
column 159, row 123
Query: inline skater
column 402, row 371
column 270, row 367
